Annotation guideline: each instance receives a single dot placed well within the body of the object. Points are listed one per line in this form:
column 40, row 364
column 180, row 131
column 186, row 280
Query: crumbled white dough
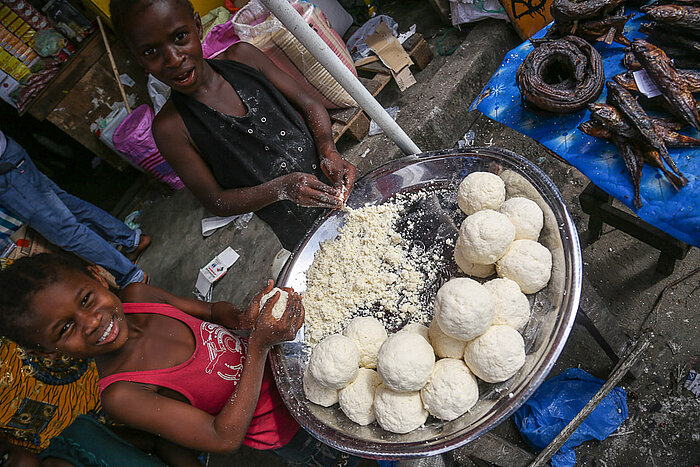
column 369, row 334
column 357, row 398
column 317, row 393
column 451, row 390
column 496, row 355
column 405, row 362
column 480, row 190
column 417, row 328
column 526, row 216
column 528, row 263
column 472, row 269
column 334, row 362
column 281, row 303
column 399, row 412
column 484, row 236
column 444, row 345
column 512, row 306
column 464, row 309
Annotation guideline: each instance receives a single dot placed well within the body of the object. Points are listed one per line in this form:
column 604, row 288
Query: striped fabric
column 8, row 225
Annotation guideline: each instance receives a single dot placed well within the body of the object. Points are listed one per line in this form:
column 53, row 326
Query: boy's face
column 165, row 40
column 77, row 315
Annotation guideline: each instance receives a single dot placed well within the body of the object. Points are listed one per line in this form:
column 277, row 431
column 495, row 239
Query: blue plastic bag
column 557, row 401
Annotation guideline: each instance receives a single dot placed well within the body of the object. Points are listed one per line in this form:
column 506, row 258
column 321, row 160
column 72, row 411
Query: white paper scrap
column 645, row 84
column 210, row 224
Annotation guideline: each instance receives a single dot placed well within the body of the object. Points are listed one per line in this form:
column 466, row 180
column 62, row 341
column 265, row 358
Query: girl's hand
column 307, row 190
column 339, row 171
column 270, row 331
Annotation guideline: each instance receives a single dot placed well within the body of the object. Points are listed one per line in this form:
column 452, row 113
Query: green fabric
column 88, row 443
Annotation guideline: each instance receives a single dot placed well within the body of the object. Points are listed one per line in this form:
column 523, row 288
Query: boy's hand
column 307, row 190
column 339, row 171
column 270, row 331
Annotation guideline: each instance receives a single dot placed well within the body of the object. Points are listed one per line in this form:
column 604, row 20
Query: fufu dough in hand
column 405, row 362
column 480, row 190
column 357, row 398
column 334, row 361
column 399, row 412
column 496, row 355
column 464, row 309
column 526, row 216
column 485, row 236
column 469, row 268
column 528, row 263
column 281, row 303
column 512, row 306
column 317, row 393
column 369, row 334
column 451, row 390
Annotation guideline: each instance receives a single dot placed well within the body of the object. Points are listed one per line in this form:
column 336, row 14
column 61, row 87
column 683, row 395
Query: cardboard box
column 393, row 56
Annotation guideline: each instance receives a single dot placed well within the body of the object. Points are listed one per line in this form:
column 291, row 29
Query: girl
column 168, row 365
column 232, row 129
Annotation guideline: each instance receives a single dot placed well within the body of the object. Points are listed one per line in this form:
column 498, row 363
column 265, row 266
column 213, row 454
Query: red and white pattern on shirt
column 219, row 340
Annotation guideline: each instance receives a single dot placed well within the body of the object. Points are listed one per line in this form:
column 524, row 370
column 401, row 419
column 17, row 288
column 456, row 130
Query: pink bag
column 133, row 138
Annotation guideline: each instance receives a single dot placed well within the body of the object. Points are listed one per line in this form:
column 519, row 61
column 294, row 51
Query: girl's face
column 79, row 316
column 164, row 39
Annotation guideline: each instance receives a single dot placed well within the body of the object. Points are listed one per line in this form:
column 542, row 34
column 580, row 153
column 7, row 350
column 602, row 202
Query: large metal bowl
column 553, row 308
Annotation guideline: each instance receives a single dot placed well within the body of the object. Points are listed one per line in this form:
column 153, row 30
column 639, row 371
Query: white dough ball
column 472, row 269
column 512, row 307
column 484, row 236
column 464, row 309
column 281, row 303
column 496, row 355
column 526, row 216
column 405, row 362
column 317, row 393
column 451, row 390
column 417, row 328
column 528, row 263
column 480, row 190
column 334, row 361
column 369, row 334
column 444, row 345
column 357, row 398
column 399, row 412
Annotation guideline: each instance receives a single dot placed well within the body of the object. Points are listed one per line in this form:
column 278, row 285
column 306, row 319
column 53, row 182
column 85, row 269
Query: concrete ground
column 662, row 428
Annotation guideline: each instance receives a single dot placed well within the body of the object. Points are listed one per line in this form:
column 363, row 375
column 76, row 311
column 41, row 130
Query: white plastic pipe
column 293, row 21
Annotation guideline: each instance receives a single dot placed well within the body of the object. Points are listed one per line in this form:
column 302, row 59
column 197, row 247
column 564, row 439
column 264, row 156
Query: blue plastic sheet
column 677, row 213
column 557, row 401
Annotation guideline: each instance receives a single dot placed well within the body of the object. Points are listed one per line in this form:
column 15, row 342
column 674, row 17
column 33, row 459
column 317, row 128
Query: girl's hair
column 21, row 281
column 121, row 11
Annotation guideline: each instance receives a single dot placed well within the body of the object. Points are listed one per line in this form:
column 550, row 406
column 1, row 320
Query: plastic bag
column 158, row 91
column 255, row 24
column 469, row 11
column 557, row 401
column 134, row 139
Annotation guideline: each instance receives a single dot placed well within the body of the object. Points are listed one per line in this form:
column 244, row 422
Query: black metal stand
column 598, row 205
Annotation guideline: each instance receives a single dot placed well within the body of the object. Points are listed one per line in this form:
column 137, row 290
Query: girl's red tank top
column 209, row 377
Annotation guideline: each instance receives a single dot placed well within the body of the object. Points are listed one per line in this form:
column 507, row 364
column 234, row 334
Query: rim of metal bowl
column 505, row 406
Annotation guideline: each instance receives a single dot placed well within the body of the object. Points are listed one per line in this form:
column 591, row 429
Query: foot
column 144, row 241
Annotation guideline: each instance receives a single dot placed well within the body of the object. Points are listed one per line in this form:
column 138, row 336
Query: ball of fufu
column 472, row 269
column 417, row 328
column 528, row 263
column 464, row 309
column 526, row 216
column 399, row 412
column 405, row 362
column 451, row 390
column 484, row 236
column 496, row 355
column 281, row 303
column 334, row 361
column 480, row 190
column 369, row 334
column 512, row 307
column 444, row 345
column 317, row 393
column 357, row 398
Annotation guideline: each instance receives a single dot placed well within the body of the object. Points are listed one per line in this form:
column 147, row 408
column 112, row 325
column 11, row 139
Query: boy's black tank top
column 271, row 140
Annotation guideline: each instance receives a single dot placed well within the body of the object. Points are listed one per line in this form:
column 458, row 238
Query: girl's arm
column 141, row 407
column 338, row 170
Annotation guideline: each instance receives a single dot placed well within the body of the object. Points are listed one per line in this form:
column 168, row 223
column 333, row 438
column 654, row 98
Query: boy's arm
column 338, row 170
column 176, row 146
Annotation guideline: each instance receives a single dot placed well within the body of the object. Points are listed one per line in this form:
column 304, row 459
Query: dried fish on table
column 606, row 29
column 633, row 163
column 571, row 10
column 691, row 78
column 663, row 127
column 561, row 75
column 676, row 15
column 675, row 92
column 665, row 35
column 651, row 5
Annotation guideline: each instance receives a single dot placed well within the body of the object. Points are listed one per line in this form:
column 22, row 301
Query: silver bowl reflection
column 553, row 308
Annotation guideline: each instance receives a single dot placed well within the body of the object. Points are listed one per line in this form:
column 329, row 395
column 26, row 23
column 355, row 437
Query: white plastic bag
column 469, row 11
column 158, row 91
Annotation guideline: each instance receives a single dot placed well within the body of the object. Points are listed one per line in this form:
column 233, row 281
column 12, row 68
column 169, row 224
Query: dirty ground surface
column 662, row 428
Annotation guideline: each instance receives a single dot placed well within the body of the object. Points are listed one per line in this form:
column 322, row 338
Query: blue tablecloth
column 675, row 212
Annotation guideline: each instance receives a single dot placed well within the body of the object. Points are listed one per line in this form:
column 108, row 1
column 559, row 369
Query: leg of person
column 24, row 193
column 306, row 451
